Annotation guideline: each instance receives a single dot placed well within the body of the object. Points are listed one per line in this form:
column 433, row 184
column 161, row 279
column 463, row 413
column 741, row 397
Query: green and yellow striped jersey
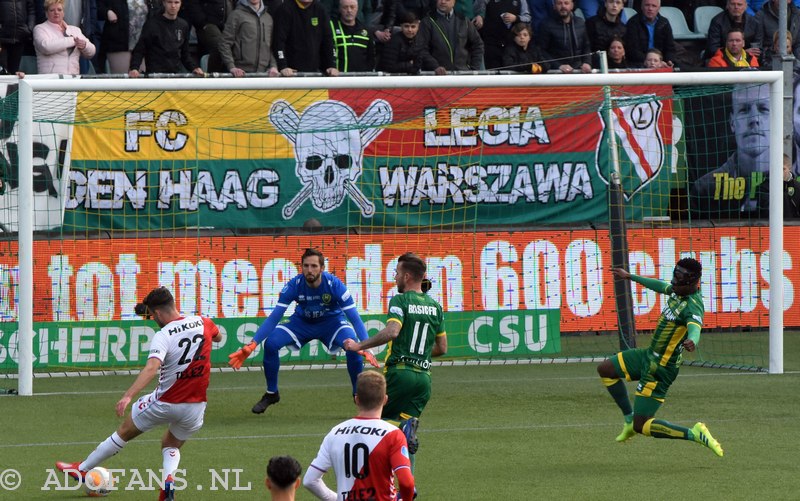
column 421, row 319
column 673, row 322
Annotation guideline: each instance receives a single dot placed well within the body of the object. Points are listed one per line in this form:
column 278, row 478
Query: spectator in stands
column 767, row 21
column 648, row 30
column 616, row 54
column 355, row 49
column 564, row 41
column 654, row 59
column 773, row 51
column 58, row 45
column 748, row 165
column 402, row 52
column 523, row 55
column 449, row 41
column 734, row 16
column 17, row 20
column 494, row 20
column 333, row 9
column 733, row 55
column 121, row 30
column 208, row 18
column 164, row 44
column 753, row 6
column 247, row 40
column 391, row 12
column 303, row 40
column 605, row 26
column 791, row 193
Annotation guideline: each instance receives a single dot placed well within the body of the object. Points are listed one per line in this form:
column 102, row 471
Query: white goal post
column 28, row 88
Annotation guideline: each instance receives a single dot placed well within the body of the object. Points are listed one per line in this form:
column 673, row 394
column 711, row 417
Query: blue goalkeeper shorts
column 330, row 331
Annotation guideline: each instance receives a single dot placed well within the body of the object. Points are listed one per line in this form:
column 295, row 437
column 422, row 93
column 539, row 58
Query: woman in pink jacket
column 59, row 46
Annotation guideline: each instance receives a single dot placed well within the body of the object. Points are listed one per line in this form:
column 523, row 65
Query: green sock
column 619, row 392
column 658, row 428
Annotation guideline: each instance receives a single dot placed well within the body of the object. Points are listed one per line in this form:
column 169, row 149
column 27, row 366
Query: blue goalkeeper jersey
column 330, row 299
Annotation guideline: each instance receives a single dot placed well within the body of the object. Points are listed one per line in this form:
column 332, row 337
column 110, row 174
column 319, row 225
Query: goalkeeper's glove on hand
column 237, row 358
column 369, row 357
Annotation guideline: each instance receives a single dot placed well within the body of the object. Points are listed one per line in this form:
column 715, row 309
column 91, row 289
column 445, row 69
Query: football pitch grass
column 514, row 432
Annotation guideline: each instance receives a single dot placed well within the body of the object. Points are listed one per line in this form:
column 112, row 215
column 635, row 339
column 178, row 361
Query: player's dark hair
column 413, row 264
column 692, row 266
column 157, row 298
column 283, row 471
column 313, row 252
column 370, row 389
column 686, row 277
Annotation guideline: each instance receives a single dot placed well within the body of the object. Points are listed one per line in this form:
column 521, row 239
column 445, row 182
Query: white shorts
column 183, row 419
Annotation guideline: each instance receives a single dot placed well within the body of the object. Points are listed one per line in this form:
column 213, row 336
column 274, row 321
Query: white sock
column 103, row 451
column 172, row 458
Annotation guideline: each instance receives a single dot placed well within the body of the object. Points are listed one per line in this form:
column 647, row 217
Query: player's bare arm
column 439, row 346
column 388, row 333
column 147, row 374
column 621, row 273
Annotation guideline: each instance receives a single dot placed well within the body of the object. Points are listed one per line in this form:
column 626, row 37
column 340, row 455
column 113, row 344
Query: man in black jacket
column 17, row 19
column 734, row 16
column 303, row 40
column 164, row 44
column 564, row 41
column 449, row 41
column 208, row 18
column 606, row 25
column 637, row 35
column 355, row 49
column 494, row 20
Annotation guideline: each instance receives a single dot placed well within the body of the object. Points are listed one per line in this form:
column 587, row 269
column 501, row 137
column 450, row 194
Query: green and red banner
column 391, row 158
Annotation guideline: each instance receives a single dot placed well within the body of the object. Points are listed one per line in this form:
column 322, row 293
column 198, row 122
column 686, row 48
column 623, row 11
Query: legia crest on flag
column 639, row 139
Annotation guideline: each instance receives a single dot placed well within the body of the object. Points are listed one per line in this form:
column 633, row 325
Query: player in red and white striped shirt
column 365, row 452
column 180, row 353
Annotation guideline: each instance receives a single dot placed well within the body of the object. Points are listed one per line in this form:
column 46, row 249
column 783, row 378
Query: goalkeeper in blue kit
column 325, row 311
column 657, row 366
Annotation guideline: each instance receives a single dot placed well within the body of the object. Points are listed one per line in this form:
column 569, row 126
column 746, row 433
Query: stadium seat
column 629, row 12
column 703, row 16
column 680, row 30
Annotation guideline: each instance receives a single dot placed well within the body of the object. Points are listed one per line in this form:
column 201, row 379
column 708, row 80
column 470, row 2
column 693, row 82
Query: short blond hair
column 50, row 3
column 370, row 389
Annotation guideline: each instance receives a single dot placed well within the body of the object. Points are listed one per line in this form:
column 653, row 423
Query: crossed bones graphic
column 329, row 141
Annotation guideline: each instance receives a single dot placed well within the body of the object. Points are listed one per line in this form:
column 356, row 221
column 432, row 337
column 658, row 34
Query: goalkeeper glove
column 369, row 358
column 237, row 358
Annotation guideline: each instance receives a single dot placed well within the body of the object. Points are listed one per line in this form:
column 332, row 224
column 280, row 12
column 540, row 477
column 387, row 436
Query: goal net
column 504, row 185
